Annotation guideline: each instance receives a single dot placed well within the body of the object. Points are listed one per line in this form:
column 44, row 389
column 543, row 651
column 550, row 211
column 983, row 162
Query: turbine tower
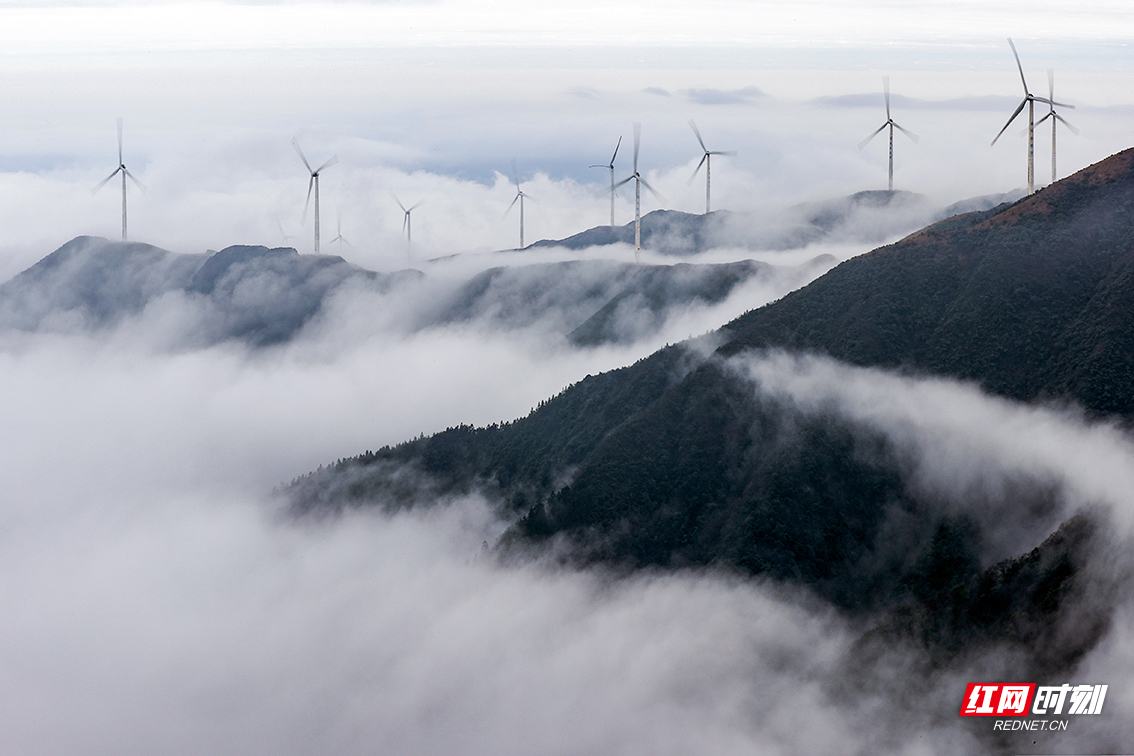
column 313, row 184
column 406, row 223
column 639, row 182
column 891, row 125
column 121, row 169
column 1054, row 117
column 610, row 165
column 706, row 162
column 520, row 197
column 1030, row 100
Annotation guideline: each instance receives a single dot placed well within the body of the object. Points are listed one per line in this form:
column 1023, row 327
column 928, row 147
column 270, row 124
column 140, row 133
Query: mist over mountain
column 869, row 217
column 264, row 296
column 258, row 295
column 823, row 441
column 594, row 302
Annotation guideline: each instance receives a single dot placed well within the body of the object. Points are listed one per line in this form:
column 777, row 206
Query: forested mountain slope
column 683, row 460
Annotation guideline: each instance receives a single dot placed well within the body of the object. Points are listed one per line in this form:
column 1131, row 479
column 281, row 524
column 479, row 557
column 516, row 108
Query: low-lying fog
column 156, row 600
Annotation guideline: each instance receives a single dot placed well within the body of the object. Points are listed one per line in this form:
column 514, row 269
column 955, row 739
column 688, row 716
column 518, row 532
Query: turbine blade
column 334, row 159
column 515, row 175
column 295, row 144
column 514, row 201
column 1051, row 83
column 419, row 204
column 886, row 94
column 637, row 143
column 1022, row 79
column 405, row 222
column 698, row 168
column 103, row 183
column 698, row 134
column 864, row 142
column 726, row 153
column 623, row 182
column 908, row 133
column 1060, row 104
column 1049, row 114
column 139, row 184
column 1013, row 118
column 660, row 198
column 310, row 186
column 403, row 207
column 612, row 157
column 1065, row 122
column 120, row 140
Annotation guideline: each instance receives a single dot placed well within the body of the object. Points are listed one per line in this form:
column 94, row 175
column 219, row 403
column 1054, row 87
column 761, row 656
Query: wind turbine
column 520, row 197
column 706, row 162
column 610, row 165
column 1054, row 117
column 406, row 222
column 313, row 183
column 285, row 237
column 891, row 125
column 639, row 182
column 121, row 169
column 339, row 229
column 1030, row 100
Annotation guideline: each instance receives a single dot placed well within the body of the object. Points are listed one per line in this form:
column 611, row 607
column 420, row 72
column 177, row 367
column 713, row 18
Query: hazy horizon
column 433, row 101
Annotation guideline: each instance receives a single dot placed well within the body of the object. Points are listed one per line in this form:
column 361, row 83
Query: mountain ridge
column 690, row 468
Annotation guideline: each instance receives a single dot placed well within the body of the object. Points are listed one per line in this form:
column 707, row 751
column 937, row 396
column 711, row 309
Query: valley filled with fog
column 160, row 599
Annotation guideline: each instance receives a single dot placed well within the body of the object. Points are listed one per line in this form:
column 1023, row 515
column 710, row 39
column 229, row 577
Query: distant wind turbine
column 313, row 184
column 1030, row 100
column 1054, row 117
column 519, row 197
column 121, row 169
column 285, row 237
column 406, row 227
column 639, row 182
column 339, row 229
column 891, row 125
column 610, row 165
column 706, row 162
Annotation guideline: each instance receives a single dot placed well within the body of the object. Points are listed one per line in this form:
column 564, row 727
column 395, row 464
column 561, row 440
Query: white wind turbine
column 313, row 184
column 1054, row 117
column 706, row 162
column 891, row 125
column 339, row 229
column 1030, row 100
column 121, row 169
column 610, row 165
column 519, row 197
column 639, row 182
column 406, row 227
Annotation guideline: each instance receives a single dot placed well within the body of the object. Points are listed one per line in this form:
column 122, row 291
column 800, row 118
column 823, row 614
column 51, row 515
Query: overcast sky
column 434, row 100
